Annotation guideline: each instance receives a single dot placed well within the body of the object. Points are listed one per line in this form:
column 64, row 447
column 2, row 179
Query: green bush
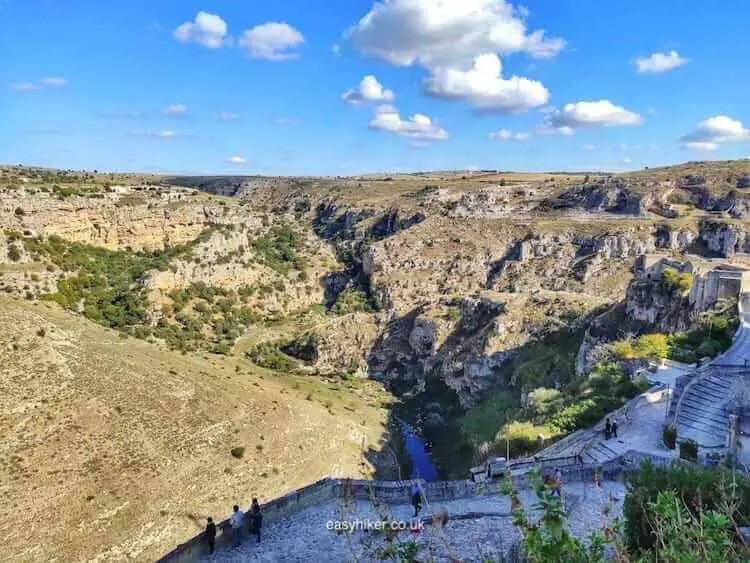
column 268, row 355
column 702, row 489
column 653, row 346
column 352, row 301
column 689, row 450
column 14, row 254
column 673, row 280
column 19, row 212
column 238, row 452
column 279, row 249
column 669, row 436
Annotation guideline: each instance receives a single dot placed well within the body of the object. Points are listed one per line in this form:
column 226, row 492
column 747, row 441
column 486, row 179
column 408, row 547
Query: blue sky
column 455, row 84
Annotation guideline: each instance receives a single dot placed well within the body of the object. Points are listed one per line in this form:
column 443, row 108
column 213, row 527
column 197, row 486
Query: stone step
column 692, row 410
column 698, row 422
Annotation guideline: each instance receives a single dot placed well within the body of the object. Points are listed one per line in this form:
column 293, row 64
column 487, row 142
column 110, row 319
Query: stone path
column 702, row 412
column 482, row 528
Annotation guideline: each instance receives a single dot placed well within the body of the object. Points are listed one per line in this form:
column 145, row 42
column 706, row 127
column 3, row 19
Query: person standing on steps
column 256, row 518
column 607, row 429
column 211, row 534
column 236, row 522
column 416, row 497
column 614, row 428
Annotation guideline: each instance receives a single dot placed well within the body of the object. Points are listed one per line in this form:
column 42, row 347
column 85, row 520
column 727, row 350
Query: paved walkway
column 481, row 528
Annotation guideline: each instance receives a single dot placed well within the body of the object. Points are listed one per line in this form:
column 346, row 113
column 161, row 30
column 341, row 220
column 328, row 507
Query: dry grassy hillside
column 116, row 449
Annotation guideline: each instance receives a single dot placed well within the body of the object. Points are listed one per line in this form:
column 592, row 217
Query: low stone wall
column 398, row 492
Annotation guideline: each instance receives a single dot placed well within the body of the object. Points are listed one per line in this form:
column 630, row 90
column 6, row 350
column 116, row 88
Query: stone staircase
column 701, row 414
column 604, row 450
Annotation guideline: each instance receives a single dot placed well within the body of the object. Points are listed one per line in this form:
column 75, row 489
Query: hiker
column 607, row 430
column 236, row 522
column 614, row 428
column 256, row 518
column 416, row 497
column 211, row 534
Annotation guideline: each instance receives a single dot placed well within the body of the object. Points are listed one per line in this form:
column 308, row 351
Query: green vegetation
column 102, row 283
column 14, row 254
column 669, row 436
column 268, row 355
column 238, row 452
column 672, row 515
column 353, row 301
column 279, row 250
column 700, row 490
column 689, row 450
column 712, row 336
column 672, row 280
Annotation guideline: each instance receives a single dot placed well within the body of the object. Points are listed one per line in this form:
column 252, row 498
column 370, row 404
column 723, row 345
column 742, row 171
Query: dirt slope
column 114, row 448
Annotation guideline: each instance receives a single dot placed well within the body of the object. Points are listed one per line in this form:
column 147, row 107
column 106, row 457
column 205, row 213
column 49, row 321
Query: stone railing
column 398, row 492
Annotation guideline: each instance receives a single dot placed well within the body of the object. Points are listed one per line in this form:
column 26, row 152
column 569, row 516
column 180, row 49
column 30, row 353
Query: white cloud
column 175, row 109
column 505, row 134
column 601, row 113
column 236, row 160
column 162, row 134
column 208, row 30
column 711, row 132
column 484, row 87
column 273, row 41
column 24, row 86
column 627, row 160
column 434, row 33
column 53, row 81
column 336, row 49
column 282, row 120
column 228, row 116
column 418, row 126
column 589, row 147
column 656, row 63
column 368, row 90
column 701, row 145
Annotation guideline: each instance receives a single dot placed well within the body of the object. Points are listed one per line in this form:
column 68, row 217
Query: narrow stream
column 422, row 466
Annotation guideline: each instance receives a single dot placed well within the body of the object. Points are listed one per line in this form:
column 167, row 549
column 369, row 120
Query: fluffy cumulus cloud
column 237, row 159
column 368, row 90
column 656, row 63
column 505, row 134
column 273, row 41
column 601, row 113
column 175, row 109
column 418, row 126
column 711, row 132
column 208, row 30
column 485, row 89
column 435, row 33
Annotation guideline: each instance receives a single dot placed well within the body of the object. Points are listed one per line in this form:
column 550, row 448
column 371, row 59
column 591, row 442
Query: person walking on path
column 614, row 428
column 416, row 497
column 211, row 534
column 256, row 518
column 236, row 522
column 607, row 430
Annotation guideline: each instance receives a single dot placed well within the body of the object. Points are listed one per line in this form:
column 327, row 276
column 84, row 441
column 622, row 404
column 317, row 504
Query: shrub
column 238, row 452
column 19, row 212
column 689, row 450
column 623, row 349
column 673, row 280
column 352, row 301
column 669, row 436
column 268, row 355
column 702, row 489
column 653, row 346
column 14, row 254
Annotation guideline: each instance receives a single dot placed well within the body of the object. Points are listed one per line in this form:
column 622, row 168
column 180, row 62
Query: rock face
column 608, row 195
column 147, row 219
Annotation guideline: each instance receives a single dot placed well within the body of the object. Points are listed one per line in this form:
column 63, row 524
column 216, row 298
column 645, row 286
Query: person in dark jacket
column 607, row 430
column 256, row 517
column 614, row 428
column 211, row 534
